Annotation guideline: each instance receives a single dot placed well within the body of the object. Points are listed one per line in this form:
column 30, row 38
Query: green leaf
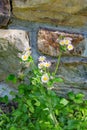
column 37, row 103
column 56, row 112
column 12, row 78
column 13, row 128
column 4, row 99
column 64, row 101
column 31, row 108
column 24, row 108
column 63, row 48
column 17, row 113
column 79, row 96
column 58, row 79
column 1, row 122
column 71, row 95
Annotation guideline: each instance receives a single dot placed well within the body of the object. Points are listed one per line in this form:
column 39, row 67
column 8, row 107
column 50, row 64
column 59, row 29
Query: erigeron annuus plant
column 39, row 108
column 42, row 81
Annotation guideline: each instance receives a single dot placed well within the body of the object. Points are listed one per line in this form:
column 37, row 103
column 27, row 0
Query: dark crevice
column 11, row 5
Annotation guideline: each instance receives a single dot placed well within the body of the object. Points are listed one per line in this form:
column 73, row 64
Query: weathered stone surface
column 73, row 71
column 73, row 13
column 4, row 12
column 47, row 42
column 12, row 43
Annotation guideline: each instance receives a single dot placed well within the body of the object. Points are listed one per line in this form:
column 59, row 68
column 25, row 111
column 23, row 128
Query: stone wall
column 22, row 19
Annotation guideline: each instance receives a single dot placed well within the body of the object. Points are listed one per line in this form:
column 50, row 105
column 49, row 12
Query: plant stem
column 58, row 62
column 54, row 119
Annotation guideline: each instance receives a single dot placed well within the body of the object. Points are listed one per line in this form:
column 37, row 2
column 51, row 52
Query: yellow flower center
column 62, row 42
column 70, row 47
column 24, row 57
column 45, row 78
column 67, row 42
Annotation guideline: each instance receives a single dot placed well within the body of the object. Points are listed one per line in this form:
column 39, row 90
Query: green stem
column 51, row 110
column 58, row 62
column 54, row 119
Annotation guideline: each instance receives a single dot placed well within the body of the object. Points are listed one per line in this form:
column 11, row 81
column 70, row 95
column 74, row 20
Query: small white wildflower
column 45, row 78
column 65, row 42
column 62, row 42
column 28, row 53
column 27, row 49
column 70, row 47
column 47, row 64
column 41, row 65
column 51, row 77
column 24, row 57
column 41, row 71
column 42, row 58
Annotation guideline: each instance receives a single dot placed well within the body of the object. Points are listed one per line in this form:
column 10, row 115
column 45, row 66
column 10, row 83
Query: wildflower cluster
column 43, row 65
column 26, row 54
column 66, row 42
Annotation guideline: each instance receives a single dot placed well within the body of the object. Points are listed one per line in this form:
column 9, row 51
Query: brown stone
column 48, row 44
column 4, row 12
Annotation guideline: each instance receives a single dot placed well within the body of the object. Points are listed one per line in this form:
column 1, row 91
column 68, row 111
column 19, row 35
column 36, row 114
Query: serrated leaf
column 79, row 96
column 31, row 108
column 64, row 101
column 37, row 103
column 17, row 113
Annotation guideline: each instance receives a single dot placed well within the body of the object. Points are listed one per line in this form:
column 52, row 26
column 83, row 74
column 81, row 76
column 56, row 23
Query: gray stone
column 12, row 44
column 4, row 12
column 74, row 75
column 5, row 90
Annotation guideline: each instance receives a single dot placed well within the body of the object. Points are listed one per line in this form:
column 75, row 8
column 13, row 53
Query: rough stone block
column 68, row 12
column 48, row 44
column 12, row 44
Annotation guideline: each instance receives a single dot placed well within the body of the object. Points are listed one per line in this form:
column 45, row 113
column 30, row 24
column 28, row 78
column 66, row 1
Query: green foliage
column 11, row 78
column 39, row 108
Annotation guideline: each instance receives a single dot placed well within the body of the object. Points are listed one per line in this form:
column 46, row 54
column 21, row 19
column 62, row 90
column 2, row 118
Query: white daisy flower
column 24, row 57
column 45, row 78
column 47, row 64
column 28, row 48
column 65, row 42
column 41, row 65
column 28, row 53
column 42, row 58
column 62, row 42
column 70, row 47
